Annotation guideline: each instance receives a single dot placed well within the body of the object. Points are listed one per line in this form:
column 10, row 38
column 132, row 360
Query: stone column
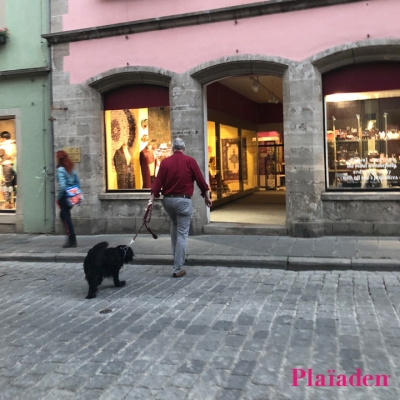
column 78, row 122
column 304, row 150
column 187, row 122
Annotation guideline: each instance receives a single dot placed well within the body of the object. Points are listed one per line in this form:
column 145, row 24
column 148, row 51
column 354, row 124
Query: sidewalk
column 279, row 252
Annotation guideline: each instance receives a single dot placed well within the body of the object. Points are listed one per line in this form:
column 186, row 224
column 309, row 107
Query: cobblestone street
column 218, row 333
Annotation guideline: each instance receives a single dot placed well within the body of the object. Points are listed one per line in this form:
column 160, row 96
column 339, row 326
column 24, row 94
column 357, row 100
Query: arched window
column 137, row 129
column 362, row 121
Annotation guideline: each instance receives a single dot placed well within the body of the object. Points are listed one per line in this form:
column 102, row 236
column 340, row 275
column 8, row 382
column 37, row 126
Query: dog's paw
column 90, row 296
column 122, row 283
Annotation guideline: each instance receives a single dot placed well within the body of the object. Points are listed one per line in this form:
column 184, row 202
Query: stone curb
column 370, row 264
column 268, row 262
column 318, row 263
column 271, row 262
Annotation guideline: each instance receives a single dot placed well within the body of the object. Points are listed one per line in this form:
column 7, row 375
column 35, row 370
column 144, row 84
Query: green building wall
column 25, row 87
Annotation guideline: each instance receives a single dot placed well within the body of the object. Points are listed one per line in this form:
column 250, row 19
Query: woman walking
column 66, row 177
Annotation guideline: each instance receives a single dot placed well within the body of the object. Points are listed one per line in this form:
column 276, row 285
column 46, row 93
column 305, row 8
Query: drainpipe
column 51, row 172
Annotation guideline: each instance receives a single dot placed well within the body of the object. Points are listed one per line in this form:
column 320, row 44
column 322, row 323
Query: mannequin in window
column 8, row 146
column 144, row 133
column 10, row 180
column 148, row 165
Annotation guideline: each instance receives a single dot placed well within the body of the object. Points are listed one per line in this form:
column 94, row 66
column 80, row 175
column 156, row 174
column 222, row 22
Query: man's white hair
column 178, row 144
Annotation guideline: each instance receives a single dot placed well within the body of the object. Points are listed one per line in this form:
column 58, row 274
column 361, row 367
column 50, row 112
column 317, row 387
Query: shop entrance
column 245, row 150
column 271, row 166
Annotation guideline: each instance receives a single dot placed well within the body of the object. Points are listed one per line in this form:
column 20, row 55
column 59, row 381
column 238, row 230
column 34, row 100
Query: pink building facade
column 128, row 76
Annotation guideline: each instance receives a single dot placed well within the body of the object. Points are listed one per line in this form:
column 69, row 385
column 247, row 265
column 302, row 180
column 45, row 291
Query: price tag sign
column 74, row 153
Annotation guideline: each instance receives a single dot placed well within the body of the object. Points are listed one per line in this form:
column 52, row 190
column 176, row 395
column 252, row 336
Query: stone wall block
column 186, row 102
column 309, row 174
column 83, row 129
column 186, row 99
column 304, row 149
column 302, row 92
column 56, row 23
column 351, row 228
column 310, row 114
column 59, row 7
column 75, row 98
column 305, row 156
column 302, row 71
column 307, row 205
column 187, row 120
column 362, row 211
column 60, row 78
column 58, row 53
column 306, row 188
column 303, row 140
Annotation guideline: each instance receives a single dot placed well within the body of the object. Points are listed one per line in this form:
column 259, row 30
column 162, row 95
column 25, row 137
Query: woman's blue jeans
column 65, row 215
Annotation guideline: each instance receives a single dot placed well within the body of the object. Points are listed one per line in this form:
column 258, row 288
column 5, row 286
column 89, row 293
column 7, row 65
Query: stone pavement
column 283, row 252
column 218, row 333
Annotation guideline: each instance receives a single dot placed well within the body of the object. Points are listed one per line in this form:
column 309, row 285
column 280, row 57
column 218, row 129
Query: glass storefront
column 249, row 166
column 363, row 140
column 8, row 170
column 271, row 165
column 232, row 160
column 137, row 140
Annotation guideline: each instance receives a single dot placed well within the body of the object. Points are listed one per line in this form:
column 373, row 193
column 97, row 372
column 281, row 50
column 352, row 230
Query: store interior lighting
column 255, row 86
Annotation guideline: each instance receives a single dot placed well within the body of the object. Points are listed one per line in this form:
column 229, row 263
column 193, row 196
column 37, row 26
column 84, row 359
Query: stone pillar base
column 306, row 229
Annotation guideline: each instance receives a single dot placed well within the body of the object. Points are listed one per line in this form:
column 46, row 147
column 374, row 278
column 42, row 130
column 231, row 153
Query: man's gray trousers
column 180, row 211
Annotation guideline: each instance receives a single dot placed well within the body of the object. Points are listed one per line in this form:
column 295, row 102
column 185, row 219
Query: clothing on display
column 10, row 149
column 8, row 181
column 8, row 176
column 148, row 165
column 125, row 176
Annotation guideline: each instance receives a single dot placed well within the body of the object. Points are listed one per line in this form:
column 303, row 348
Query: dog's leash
column 146, row 220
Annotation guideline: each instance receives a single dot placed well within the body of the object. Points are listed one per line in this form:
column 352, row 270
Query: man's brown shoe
column 179, row 274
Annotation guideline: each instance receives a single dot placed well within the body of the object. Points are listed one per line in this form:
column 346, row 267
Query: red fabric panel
column 270, row 113
column 136, row 96
column 213, row 96
column 366, row 77
column 223, row 99
column 249, row 110
column 230, row 101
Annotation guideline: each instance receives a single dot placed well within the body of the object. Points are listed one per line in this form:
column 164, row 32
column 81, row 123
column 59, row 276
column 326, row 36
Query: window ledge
column 8, row 218
column 124, row 196
column 368, row 196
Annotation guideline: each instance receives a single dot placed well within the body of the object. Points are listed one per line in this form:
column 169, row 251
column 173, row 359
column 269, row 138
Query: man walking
column 175, row 180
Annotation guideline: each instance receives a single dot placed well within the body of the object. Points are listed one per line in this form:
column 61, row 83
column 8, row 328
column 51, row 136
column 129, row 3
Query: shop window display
column 8, row 170
column 232, row 159
column 137, row 140
column 249, row 173
column 363, row 140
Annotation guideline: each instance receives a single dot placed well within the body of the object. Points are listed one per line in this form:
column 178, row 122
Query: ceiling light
column 255, row 86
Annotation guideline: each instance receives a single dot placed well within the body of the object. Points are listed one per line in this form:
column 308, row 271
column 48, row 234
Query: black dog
column 105, row 262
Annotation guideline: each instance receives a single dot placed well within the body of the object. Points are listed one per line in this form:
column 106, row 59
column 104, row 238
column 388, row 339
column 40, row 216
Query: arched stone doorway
column 239, row 93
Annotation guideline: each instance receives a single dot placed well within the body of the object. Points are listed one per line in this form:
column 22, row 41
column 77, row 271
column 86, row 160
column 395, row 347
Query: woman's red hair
column 64, row 161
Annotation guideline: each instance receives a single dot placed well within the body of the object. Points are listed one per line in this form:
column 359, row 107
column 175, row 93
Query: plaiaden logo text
column 301, row 376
